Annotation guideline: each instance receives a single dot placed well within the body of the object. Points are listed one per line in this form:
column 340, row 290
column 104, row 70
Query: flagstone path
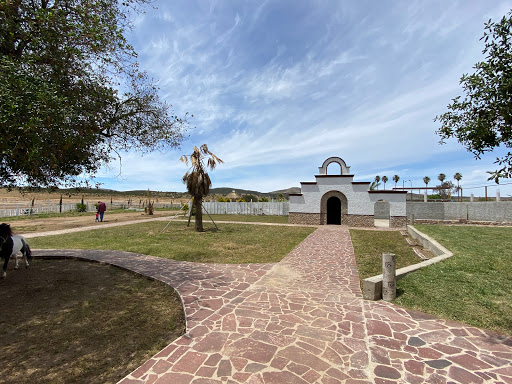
column 303, row 320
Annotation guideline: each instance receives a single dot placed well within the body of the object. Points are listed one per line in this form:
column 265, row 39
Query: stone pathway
column 303, row 320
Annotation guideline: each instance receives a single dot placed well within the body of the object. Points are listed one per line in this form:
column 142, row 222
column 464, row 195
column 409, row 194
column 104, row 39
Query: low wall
column 493, row 211
column 372, row 286
column 235, row 208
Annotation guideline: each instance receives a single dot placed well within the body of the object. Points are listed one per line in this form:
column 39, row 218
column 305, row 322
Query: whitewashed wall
column 360, row 202
column 234, row 208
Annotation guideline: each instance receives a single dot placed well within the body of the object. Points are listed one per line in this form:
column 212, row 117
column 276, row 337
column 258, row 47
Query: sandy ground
column 58, row 223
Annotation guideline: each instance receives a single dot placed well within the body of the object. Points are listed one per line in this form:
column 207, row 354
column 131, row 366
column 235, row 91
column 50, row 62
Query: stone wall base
column 460, row 221
column 398, row 222
column 304, row 218
column 365, row 221
column 358, row 220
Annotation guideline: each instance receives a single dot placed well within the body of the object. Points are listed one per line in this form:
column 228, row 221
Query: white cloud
column 274, row 93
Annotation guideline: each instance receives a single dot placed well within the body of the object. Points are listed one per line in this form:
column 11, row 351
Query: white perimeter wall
column 360, row 202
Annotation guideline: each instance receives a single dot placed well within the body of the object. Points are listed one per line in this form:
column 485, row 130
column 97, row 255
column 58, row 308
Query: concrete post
column 472, row 198
column 498, row 197
column 388, row 276
column 425, row 197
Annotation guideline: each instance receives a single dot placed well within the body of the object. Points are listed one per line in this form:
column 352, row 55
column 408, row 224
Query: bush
column 81, row 207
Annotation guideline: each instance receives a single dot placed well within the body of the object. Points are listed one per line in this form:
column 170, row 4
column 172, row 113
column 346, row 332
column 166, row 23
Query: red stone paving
column 303, row 320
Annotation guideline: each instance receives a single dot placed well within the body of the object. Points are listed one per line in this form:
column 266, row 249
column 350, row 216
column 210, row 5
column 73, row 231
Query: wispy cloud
column 277, row 87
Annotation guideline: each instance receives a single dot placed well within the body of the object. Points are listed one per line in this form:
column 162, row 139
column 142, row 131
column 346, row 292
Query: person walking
column 102, row 207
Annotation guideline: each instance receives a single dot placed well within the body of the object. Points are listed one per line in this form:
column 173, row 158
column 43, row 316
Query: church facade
column 339, row 200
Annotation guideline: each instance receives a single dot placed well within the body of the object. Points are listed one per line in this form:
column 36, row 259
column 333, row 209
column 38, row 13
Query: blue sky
column 276, row 87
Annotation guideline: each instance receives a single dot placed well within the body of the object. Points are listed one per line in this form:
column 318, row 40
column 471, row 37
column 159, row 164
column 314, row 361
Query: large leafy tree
column 197, row 179
column 482, row 120
column 71, row 95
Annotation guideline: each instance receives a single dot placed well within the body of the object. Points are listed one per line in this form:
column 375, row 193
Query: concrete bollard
column 472, row 198
column 498, row 197
column 388, row 276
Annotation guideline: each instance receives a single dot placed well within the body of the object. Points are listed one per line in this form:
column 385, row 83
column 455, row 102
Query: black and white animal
column 11, row 246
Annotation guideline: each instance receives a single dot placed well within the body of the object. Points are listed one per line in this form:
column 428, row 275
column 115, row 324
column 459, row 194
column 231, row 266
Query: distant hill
column 225, row 190
column 286, row 192
column 238, row 191
column 143, row 193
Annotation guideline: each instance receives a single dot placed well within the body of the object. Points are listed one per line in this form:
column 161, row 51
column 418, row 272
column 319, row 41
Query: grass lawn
column 232, row 243
column 247, row 218
column 370, row 245
column 474, row 286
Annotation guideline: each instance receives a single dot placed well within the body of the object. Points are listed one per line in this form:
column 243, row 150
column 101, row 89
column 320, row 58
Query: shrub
column 81, row 207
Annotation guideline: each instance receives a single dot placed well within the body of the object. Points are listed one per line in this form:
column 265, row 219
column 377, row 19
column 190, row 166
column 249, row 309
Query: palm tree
column 396, row 178
column 457, row 177
column 441, row 178
column 377, row 180
column 426, row 180
column 384, row 180
column 197, row 180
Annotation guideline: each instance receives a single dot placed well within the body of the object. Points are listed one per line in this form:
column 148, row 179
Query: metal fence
column 234, row 208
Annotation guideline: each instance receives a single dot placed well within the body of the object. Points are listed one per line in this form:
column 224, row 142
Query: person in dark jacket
column 102, row 207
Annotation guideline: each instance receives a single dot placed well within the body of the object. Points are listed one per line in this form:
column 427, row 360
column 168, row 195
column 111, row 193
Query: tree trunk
column 199, row 215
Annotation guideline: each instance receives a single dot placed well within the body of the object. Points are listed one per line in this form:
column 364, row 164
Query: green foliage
column 263, row 200
column 250, row 197
column 384, row 180
column 223, row 200
column 445, row 190
column 473, row 286
column 62, row 65
column 81, row 207
column 482, row 120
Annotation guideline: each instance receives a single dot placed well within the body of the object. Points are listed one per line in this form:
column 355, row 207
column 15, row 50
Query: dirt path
column 59, row 223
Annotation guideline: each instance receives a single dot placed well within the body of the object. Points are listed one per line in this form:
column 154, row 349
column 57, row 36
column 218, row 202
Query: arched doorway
column 333, row 211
